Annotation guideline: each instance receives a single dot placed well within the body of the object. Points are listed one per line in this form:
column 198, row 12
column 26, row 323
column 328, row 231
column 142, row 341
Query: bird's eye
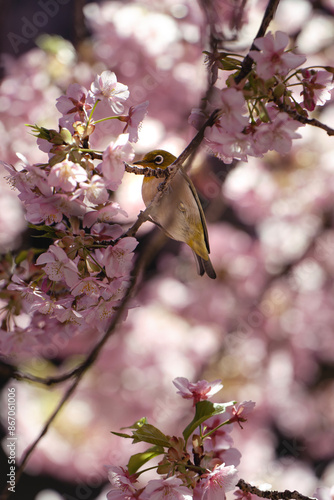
column 158, row 160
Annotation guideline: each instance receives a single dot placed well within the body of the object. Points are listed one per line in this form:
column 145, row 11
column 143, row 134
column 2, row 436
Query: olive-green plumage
column 179, row 212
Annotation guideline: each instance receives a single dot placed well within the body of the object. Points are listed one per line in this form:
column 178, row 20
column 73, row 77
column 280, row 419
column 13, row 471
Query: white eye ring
column 159, row 159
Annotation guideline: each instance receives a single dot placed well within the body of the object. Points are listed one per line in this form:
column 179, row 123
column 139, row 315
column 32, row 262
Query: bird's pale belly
column 181, row 220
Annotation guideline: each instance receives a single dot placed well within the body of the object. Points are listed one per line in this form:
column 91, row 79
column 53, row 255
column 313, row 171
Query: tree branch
column 273, row 495
column 146, row 171
column 303, row 119
column 79, row 373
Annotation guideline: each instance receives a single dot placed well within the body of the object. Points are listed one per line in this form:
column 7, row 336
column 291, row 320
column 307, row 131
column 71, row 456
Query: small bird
column 179, row 212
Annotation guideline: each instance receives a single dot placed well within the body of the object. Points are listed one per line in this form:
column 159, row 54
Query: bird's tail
column 205, row 266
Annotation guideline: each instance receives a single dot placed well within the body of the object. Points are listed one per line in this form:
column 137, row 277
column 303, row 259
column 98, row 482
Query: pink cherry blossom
column 244, row 495
column 58, row 266
column 106, row 231
column 66, row 175
column 50, row 210
column 89, row 286
column 112, row 166
column 94, row 190
column 199, row 391
column 171, row 488
column 99, row 315
column 134, row 120
column 214, row 485
column 122, row 484
column 26, row 180
column 276, row 135
column 69, row 315
column 44, row 210
column 220, row 439
column 73, row 106
column 232, row 108
column 107, row 89
column 104, row 214
column 316, row 88
column 228, row 147
column 118, row 259
column 272, row 59
column 218, row 445
column 241, row 411
column 32, row 296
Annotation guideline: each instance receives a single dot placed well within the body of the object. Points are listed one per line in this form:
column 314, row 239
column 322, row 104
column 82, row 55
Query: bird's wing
column 194, row 192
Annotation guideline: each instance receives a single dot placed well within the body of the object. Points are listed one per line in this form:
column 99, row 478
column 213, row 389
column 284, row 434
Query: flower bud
column 279, row 90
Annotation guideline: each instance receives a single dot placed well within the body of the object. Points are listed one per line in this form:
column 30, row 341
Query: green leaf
column 229, row 63
column 42, row 227
column 121, row 434
column 150, row 434
column 204, row 410
column 41, row 132
column 139, row 423
column 136, row 425
column 139, row 459
column 46, row 231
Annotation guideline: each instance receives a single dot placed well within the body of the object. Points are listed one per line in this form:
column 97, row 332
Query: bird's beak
column 139, row 162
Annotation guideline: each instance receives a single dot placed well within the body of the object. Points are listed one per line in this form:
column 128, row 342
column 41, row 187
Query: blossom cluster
column 200, row 464
column 254, row 113
column 81, row 277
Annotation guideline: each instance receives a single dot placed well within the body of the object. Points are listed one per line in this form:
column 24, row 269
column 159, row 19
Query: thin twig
column 272, row 495
column 11, row 371
column 303, row 119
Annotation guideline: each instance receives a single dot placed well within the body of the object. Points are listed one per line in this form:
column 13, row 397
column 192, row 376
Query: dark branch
column 272, row 495
column 303, row 119
column 79, row 372
column 146, row 171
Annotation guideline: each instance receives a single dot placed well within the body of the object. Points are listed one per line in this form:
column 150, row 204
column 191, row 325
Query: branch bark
column 272, row 495
column 304, row 119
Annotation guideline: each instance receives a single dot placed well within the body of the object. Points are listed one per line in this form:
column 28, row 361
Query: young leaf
column 136, row 425
column 204, row 410
column 150, row 434
column 139, row 423
column 121, row 434
column 139, row 459
column 47, row 231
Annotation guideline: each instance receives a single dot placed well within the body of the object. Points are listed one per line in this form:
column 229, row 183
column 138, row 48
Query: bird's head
column 156, row 159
